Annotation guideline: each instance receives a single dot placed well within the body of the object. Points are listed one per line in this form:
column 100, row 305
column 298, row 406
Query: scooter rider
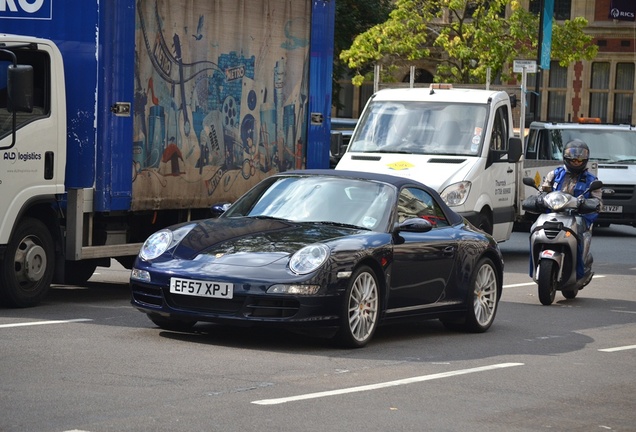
column 574, row 178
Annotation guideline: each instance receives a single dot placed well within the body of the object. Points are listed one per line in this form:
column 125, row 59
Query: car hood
column 253, row 242
column 435, row 171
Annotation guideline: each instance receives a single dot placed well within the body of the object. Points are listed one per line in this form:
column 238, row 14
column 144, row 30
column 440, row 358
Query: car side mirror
column 415, row 225
column 218, row 209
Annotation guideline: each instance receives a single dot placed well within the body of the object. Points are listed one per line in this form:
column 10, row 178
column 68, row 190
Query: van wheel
column 27, row 268
column 484, row 223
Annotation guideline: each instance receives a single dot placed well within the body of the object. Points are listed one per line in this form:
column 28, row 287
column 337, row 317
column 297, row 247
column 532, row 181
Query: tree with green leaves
column 354, row 17
column 462, row 39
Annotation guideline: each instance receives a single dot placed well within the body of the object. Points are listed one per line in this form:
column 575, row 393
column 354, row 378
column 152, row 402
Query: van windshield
column 420, row 128
column 608, row 146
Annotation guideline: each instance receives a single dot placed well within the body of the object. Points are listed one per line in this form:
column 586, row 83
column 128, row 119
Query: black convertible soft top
column 399, row 182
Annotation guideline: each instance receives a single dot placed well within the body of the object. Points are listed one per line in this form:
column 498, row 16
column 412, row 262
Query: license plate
column 612, row 209
column 201, row 288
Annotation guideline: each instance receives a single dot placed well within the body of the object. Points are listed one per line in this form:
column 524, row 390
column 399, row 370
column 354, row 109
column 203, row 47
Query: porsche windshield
column 360, row 203
column 420, row 127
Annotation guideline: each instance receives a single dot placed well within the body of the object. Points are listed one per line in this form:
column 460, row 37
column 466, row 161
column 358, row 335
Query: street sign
column 530, row 65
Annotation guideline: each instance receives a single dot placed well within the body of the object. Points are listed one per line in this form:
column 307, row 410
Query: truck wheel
column 27, row 268
column 547, row 281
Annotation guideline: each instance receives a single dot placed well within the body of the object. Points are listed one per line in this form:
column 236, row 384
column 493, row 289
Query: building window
column 562, row 8
column 599, row 90
column 557, row 91
column 624, row 93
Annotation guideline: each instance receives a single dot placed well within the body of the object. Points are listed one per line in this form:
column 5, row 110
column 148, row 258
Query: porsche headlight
column 456, row 194
column 156, row 244
column 163, row 240
column 556, row 200
column 309, row 258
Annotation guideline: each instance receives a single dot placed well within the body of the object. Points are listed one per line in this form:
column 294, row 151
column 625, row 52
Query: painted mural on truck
column 220, row 98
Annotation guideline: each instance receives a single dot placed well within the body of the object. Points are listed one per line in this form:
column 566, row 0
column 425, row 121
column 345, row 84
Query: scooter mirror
column 595, row 185
column 529, row 181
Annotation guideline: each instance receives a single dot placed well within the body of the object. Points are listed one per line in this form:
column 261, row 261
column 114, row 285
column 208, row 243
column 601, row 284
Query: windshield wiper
column 620, row 161
column 340, row 224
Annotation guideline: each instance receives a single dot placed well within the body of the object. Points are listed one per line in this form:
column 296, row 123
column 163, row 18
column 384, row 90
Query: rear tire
column 482, row 300
column 28, row 265
column 547, row 281
column 570, row 294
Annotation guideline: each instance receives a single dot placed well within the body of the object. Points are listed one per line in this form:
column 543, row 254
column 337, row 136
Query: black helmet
column 575, row 156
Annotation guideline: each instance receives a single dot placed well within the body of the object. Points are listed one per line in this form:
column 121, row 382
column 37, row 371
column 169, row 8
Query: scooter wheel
column 547, row 281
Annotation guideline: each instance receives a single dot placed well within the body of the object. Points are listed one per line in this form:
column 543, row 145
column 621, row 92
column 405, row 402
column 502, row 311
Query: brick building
column 602, row 87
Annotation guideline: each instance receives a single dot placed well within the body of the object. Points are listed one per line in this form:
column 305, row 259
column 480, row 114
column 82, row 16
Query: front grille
column 552, row 229
column 203, row 304
column 621, row 192
column 147, row 295
column 272, row 308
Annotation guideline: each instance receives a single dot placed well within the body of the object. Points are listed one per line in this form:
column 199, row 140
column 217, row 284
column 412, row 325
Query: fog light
column 293, row 289
column 140, row 275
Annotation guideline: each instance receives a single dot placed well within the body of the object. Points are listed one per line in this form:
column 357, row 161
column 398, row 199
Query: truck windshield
column 607, row 146
column 420, row 128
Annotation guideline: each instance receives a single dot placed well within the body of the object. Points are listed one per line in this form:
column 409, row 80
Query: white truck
column 612, row 152
column 459, row 141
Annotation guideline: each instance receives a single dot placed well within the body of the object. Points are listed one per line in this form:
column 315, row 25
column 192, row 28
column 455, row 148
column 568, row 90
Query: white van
column 459, row 141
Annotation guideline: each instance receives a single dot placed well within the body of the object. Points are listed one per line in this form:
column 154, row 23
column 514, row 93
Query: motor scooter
column 555, row 238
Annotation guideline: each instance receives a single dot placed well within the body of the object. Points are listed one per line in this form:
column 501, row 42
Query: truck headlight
column 456, row 194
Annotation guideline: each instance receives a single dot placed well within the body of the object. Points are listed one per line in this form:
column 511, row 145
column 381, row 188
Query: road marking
column 623, row 311
column 34, row 323
column 623, row 348
column 384, row 385
column 534, row 283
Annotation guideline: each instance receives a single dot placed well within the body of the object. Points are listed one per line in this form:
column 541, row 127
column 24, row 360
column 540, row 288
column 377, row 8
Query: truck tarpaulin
column 220, row 98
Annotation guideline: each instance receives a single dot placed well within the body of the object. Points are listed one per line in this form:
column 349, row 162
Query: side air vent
column 366, row 158
column 446, row 161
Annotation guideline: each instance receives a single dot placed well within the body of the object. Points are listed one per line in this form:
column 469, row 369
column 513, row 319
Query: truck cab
column 459, row 141
column 612, row 160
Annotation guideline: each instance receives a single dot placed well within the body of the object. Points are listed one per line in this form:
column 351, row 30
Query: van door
column 501, row 174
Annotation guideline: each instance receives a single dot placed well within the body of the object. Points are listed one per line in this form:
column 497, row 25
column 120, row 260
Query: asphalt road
column 85, row 360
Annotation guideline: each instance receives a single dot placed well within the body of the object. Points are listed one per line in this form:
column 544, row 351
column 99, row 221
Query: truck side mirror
column 515, row 149
column 20, row 88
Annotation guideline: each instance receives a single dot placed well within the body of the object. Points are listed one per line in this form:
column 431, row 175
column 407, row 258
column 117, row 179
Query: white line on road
column 533, row 283
column 622, row 348
column 384, row 385
column 34, row 323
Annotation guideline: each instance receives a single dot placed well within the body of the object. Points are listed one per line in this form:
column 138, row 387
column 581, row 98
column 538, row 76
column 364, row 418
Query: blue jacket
column 584, row 181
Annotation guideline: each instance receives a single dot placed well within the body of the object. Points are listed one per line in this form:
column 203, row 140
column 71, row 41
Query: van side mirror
column 20, row 88
column 515, row 149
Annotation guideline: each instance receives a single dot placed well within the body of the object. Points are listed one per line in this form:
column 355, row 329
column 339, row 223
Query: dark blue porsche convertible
column 321, row 250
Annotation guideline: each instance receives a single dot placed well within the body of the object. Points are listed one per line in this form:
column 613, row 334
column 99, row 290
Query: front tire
column 484, row 223
column 360, row 310
column 28, row 265
column 547, row 281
